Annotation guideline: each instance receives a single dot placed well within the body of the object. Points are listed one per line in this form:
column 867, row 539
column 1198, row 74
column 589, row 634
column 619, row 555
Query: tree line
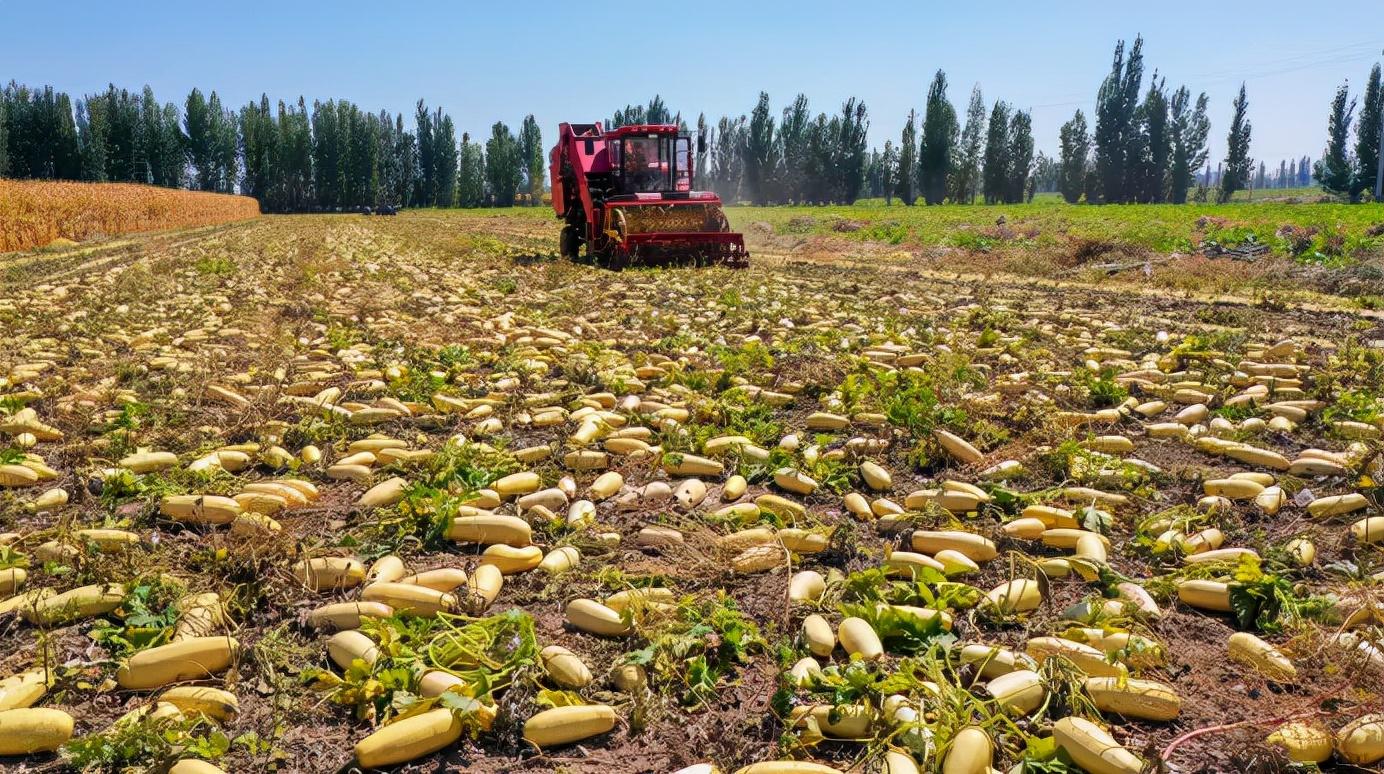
column 795, row 157
column 289, row 156
column 1144, row 143
column 1347, row 169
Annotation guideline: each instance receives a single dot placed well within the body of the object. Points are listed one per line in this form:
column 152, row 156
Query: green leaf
column 553, row 699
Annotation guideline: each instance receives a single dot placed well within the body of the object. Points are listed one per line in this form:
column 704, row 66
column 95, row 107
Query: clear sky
column 580, row 60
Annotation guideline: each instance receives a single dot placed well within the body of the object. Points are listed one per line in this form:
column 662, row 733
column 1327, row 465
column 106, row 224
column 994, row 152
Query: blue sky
column 580, row 60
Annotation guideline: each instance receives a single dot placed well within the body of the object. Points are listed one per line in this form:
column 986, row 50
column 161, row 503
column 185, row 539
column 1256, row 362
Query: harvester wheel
column 569, row 244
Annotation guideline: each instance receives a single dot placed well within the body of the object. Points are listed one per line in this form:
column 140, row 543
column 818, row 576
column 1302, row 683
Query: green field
column 1337, row 231
column 1313, row 250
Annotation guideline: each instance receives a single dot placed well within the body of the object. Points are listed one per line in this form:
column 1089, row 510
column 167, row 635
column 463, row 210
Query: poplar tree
column 1367, row 148
column 793, row 150
column 937, row 145
column 531, row 151
column 4, row 136
column 1190, row 128
column 1073, row 163
column 470, row 173
column 970, row 150
column 198, row 128
column 1334, row 170
column 225, row 146
column 162, row 141
column 760, row 156
column 728, row 158
column 996, row 173
column 502, row 165
column 1150, row 170
column 93, row 132
column 42, row 134
column 888, row 171
column 1020, row 158
column 849, row 151
column 445, row 161
column 1116, row 135
column 1237, row 160
column 425, row 186
column 908, row 161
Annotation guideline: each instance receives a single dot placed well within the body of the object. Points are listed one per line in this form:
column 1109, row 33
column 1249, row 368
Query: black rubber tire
column 569, row 244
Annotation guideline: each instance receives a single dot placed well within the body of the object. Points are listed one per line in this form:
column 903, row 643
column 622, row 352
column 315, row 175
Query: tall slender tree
column 850, row 151
column 996, row 173
column 1190, row 129
column 818, row 173
column 1151, row 166
column 1367, row 148
column 793, row 150
column 531, row 151
column 427, row 161
column 761, row 158
column 1237, row 160
column 937, row 145
column 1076, row 151
column 293, row 186
column 4, row 136
column 43, row 140
column 1046, row 172
column 163, row 141
column 908, row 161
column 258, row 143
column 202, row 138
column 445, row 161
column 93, row 131
column 1020, row 158
column 970, row 150
column 503, row 165
column 728, row 158
column 1116, row 134
column 225, row 145
column 888, row 171
column 1335, row 170
column 328, row 180
column 470, row 173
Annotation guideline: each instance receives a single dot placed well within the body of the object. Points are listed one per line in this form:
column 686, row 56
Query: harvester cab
column 627, row 197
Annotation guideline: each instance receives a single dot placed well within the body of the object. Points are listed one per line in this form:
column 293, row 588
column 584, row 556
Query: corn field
column 34, row 213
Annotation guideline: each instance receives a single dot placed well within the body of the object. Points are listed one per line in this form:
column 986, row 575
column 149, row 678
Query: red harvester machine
column 626, row 195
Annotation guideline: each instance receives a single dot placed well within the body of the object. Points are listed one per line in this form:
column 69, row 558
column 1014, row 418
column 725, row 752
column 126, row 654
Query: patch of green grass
column 1293, row 223
column 219, row 267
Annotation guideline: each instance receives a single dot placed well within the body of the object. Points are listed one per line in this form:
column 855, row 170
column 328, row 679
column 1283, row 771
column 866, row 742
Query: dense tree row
column 1142, row 149
column 1345, row 169
column 1144, row 143
column 332, row 155
column 797, row 158
column 991, row 156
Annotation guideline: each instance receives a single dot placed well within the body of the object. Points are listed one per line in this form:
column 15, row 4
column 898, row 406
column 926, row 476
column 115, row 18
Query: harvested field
column 1026, row 495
